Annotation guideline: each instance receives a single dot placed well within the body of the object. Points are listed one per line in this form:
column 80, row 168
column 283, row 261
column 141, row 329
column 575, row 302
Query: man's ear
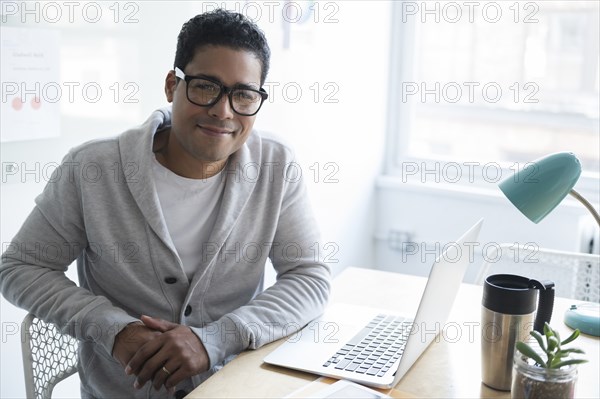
column 170, row 85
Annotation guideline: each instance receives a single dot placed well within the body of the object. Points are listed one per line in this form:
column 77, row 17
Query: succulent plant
column 552, row 346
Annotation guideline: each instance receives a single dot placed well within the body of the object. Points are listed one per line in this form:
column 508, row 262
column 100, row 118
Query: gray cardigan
column 101, row 208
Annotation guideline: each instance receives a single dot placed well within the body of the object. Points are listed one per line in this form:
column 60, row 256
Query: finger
column 163, row 374
column 158, row 324
column 191, row 363
column 152, row 367
column 128, row 342
column 177, row 377
column 141, row 356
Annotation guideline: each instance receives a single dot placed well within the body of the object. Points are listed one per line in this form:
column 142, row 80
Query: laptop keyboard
column 375, row 349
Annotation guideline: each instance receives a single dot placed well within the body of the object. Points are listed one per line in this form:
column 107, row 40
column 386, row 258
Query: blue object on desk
column 585, row 317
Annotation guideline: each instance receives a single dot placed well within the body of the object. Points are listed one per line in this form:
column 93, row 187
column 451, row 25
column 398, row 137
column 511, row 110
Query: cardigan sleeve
column 33, row 266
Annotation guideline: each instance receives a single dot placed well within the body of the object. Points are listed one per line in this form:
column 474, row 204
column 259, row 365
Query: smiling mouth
column 214, row 131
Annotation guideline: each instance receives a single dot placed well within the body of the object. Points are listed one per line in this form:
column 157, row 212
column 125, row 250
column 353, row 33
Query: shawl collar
column 135, row 147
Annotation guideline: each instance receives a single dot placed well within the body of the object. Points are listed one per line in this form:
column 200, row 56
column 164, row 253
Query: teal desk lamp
column 539, row 187
column 536, row 190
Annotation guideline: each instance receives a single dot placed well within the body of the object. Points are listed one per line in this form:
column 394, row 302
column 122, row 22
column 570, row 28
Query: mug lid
column 510, row 294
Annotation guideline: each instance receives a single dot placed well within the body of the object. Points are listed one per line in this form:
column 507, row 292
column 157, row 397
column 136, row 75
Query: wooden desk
column 450, row 367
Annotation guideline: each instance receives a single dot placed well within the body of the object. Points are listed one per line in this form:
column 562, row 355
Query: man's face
column 210, row 134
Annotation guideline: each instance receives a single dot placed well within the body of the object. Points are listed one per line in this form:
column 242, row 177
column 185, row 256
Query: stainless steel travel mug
column 507, row 316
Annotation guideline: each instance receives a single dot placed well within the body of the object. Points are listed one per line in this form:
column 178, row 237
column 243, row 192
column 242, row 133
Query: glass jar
column 534, row 382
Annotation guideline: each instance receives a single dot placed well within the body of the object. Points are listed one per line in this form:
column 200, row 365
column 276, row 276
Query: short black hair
column 222, row 28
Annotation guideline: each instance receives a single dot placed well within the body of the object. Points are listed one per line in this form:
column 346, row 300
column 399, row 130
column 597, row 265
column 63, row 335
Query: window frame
column 400, row 116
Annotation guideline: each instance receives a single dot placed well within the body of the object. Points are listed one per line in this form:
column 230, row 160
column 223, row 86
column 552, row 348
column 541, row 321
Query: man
column 172, row 232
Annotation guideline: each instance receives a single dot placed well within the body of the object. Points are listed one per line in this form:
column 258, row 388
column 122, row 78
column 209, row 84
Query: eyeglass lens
column 204, row 92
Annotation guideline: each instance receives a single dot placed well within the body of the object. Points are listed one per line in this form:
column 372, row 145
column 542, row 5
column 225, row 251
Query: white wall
column 433, row 215
column 344, row 46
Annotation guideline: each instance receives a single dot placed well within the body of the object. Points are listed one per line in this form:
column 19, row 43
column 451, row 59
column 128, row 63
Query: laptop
column 374, row 347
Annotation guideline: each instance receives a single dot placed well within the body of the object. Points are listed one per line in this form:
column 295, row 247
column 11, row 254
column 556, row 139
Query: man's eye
column 208, row 87
column 245, row 96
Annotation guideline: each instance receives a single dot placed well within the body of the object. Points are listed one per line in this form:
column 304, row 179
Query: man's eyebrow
column 237, row 85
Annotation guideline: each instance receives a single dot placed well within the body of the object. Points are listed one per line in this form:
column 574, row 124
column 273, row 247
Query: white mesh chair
column 48, row 356
column 575, row 275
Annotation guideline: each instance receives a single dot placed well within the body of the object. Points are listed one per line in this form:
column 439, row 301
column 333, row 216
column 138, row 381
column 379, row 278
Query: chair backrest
column 575, row 275
column 48, row 356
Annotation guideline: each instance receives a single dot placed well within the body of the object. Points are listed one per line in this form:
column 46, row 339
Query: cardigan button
column 170, row 280
column 188, row 311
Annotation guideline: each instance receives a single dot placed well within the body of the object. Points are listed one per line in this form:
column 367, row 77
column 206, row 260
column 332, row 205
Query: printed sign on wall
column 31, row 90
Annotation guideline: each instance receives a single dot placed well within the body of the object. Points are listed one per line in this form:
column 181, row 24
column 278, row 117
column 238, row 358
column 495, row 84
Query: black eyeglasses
column 205, row 91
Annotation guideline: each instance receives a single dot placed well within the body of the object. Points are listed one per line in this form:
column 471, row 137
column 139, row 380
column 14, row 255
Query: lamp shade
column 542, row 184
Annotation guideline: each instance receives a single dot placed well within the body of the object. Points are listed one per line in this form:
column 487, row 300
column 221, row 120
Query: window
column 503, row 82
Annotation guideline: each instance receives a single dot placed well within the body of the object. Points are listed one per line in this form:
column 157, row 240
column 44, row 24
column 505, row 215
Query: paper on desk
column 330, row 388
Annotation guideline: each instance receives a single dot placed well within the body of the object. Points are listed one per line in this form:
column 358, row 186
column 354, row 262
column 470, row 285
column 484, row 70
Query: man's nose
column 222, row 109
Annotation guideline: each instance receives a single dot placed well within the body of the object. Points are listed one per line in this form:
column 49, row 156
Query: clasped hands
column 165, row 353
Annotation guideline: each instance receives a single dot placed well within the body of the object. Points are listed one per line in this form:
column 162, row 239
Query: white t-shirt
column 190, row 208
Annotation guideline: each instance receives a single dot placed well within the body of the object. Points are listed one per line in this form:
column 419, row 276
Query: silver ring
column 166, row 371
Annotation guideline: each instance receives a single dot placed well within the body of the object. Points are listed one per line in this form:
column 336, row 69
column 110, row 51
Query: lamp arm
column 586, row 204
